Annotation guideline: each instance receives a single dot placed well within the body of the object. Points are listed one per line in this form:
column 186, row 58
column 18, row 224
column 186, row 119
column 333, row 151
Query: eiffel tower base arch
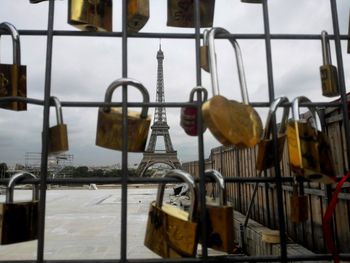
column 150, row 159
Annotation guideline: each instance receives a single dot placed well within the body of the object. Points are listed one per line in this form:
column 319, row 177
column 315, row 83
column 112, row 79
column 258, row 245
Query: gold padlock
column 13, row 77
column 110, row 122
column 231, row 122
column 220, row 218
column 299, row 205
column 91, row 15
column 172, row 232
column 329, row 73
column 138, row 14
column 181, row 13
column 309, row 151
column 265, row 158
column 204, row 60
column 19, row 220
column 58, row 135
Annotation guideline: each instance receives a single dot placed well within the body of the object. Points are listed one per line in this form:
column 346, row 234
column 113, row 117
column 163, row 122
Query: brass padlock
column 19, row 220
column 138, row 15
column 204, row 60
column 172, row 232
column 91, row 15
column 231, row 122
column 181, row 13
column 220, row 218
column 58, row 135
column 13, row 77
column 329, row 73
column 110, row 122
column 189, row 114
column 265, row 158
column 309, row 151
column 299, row 205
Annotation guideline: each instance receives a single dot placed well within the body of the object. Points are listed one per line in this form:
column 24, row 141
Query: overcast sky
column 83, row 67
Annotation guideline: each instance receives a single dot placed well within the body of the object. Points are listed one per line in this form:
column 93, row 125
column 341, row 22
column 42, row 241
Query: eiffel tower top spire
column 160, row 113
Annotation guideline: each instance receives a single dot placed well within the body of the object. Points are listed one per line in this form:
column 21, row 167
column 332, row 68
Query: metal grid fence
column 125, row 180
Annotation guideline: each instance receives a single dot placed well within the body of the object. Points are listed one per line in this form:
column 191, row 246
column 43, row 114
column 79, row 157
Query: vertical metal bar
column 274, row 133
column 44, row 146
column 124, row 199
column 340, row 64
column 201, row 163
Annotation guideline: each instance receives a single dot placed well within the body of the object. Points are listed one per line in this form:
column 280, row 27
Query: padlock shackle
column 296, row 107
column 17, row 178
column 220, row 182
column 187, row 178
column 273, row 108
column 58, row 106
column 213, row 64
column 6, row 27
column 326, row 49
column 127, row 81
column 200, row 90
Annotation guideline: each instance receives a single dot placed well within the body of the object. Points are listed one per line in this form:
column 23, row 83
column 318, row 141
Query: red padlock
column 189, row 114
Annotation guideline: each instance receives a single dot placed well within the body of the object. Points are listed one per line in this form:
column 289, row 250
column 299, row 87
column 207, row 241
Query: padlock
column 329, row 73
column 13, row 77
column 181, row 13
column 309, row 150
column 204, row 50
column 19, row 220
column 110, row 122
column 231, row 122
column 299, row 205
column 220, row 231
column 91, row 15
column 252, row 1
column 58, row 135
column 265, row 158
column 189, row 114
column 172, row 232
column 138, row 14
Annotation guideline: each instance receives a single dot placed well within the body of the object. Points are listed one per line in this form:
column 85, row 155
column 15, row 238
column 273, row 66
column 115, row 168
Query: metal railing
column 125, row 180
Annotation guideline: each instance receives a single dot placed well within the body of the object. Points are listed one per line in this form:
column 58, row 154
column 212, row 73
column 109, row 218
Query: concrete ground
column 86, row 224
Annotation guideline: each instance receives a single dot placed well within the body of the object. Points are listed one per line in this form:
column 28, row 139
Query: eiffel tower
column 160, row 128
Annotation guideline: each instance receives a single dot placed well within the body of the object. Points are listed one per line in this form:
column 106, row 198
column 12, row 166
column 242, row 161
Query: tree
column 3, row 170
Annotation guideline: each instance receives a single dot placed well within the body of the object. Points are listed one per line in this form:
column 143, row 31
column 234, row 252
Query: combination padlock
column 181, row 13
column 189, row 114
column 138, row 15
column 329, row 73
column 309, row 150
column 231, row 122
column 91, row 15
column 172, row 232
column 265, row 158
column 13, row 77
column 58, row 134
column 220, row 231
column 110, row 121
column 299, row 205
column 19, row 220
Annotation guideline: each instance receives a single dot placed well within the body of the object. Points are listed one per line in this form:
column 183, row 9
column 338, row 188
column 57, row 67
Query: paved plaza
column 86, row 224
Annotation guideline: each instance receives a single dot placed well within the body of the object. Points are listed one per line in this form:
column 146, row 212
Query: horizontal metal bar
column 226, row 258
column 175, row 35
column 153, row 104
column 141, row 180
